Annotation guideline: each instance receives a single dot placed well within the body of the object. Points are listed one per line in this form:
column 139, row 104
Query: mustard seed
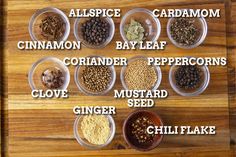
column 140, row 76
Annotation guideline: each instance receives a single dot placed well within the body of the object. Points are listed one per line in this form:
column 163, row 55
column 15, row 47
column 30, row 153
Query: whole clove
column 53, row 78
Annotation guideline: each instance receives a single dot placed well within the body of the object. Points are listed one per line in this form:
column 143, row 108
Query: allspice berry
column 95, row 31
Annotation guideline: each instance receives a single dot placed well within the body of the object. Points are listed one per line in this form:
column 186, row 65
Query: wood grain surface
column 231, row 42
column 2, row 32
column 44, row 128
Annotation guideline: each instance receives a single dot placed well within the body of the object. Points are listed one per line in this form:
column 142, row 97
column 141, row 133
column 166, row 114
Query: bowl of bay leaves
column 140, row 25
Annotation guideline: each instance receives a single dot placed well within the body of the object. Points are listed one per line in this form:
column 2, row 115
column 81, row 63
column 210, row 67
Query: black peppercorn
column 188, row 76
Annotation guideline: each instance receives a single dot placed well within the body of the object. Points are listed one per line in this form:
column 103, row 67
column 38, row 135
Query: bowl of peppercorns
column 94, row 32
column 189, row 80
column 135, row 130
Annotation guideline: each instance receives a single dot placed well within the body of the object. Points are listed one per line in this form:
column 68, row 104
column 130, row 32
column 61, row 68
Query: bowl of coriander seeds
column 95, row 79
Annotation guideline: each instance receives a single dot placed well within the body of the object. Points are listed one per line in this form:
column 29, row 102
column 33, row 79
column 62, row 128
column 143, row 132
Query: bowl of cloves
column 49, row 24
column 189, row 80
column 49, row 73
column 94, row 32
column 187, row 32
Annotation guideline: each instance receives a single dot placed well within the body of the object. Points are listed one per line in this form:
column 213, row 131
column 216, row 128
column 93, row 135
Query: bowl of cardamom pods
column 187, row 32
column 140, row 25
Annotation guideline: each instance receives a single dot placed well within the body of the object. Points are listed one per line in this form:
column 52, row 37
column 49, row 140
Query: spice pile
column 135, row 31
column 140, row 76
column 139, row 130
column 95, row 31
column 96, row 78
column 188, row 76
column 184, row 31
column 52, row 28
column 53, row 78
column 95, row 129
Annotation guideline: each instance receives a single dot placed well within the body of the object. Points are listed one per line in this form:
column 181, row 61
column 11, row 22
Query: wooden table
column 44, row 128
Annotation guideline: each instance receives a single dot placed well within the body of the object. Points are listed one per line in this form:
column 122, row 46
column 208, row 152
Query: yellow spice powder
column 95, row 128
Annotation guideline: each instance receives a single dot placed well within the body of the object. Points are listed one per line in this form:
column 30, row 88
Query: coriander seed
column 96, row 78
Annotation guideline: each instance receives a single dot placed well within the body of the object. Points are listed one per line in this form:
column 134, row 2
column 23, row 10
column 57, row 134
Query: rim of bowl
column 125, row 126
column 82, row 143
column 157, row 22
column 199, row 91
column 132, row 59
column 53, row 59
column 87, row 92
column 49, row 9
column 108, row 40
column 200, row 41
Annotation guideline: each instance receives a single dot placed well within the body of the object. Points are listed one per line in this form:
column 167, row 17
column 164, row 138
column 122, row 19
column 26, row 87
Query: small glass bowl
column 151, row 24
column 123, row 69
column 79, row 37
column 200, row 22
column 35, row 73
column 84, row 142
column 82, row 88
column 127, row 129
column 190, row 92
column 35, row 21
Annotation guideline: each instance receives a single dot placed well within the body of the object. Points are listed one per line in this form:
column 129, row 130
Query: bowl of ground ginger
column 94, row 131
